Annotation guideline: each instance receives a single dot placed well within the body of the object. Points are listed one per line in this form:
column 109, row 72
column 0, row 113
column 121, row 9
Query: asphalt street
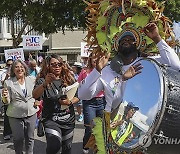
column 6, row 147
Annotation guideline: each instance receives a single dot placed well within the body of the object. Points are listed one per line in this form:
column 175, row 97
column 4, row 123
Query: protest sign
column 85, row 50
column 14, row 54
column 32, row 42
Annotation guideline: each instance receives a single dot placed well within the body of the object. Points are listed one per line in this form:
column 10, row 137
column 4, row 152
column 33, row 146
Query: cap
column 77, row 64
column 9, row 58
column 127, row 33
column 131, row 105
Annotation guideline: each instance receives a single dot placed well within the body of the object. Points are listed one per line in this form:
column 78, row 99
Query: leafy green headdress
column 107, row 20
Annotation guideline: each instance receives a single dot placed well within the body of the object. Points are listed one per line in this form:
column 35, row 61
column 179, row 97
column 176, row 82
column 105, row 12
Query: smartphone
column 62, row 97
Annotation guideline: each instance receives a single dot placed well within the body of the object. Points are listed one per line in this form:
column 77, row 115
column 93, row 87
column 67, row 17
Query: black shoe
column 7, row 137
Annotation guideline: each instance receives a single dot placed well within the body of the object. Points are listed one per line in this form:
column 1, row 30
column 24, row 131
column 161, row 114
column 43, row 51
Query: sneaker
column 85, row 151
column 81, row 118
column 7, row 137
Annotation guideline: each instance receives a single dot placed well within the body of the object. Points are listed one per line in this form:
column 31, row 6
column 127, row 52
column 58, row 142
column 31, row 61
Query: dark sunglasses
column 56, row 64
column 127, row 39
column 8, row 64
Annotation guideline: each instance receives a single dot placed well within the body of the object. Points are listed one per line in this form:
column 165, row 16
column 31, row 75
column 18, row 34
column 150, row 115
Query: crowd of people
column 25, row 86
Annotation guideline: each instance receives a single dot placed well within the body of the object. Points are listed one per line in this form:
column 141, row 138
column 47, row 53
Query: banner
column 32, row 42
column 85, row 50
column 14, row 54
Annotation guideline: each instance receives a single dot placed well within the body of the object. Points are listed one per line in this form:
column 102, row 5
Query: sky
column 144, row 90
column 176, row 29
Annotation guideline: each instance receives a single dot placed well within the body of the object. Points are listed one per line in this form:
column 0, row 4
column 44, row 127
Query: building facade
column 67, row 45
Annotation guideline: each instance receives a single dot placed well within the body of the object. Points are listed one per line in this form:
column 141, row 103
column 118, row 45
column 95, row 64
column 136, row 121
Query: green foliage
column 98, row 134
column 172, row 9
column 46, row 16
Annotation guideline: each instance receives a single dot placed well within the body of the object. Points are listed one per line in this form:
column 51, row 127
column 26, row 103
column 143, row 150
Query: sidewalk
column 6, row 147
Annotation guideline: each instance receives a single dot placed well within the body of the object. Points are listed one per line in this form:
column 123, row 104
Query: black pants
column 58, row 139
column 7, row 128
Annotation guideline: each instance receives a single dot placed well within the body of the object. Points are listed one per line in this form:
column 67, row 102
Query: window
column 8, row 25
column 0, row 25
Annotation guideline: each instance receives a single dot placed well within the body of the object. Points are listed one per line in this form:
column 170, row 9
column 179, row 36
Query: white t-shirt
column 23, row 88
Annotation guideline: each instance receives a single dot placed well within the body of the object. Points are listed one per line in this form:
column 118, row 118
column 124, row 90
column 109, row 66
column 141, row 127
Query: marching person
column 4, row 76
column 77, row 67
column 58, row 122
column 91, row 108
column 112, row 78
column 33, row 68
column 17, row 93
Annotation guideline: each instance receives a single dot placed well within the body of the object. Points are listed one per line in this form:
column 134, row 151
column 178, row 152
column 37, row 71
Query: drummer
column 112, row 78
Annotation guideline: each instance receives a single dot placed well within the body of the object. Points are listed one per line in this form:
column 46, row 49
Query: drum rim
column 163, row 80
column 163, row 97
column 157, row 121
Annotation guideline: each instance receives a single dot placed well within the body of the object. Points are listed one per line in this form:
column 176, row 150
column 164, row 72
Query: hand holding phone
column 63, row 97
column 64, row 101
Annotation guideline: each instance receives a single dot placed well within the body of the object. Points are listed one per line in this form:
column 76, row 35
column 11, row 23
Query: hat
column 77, row 64
column 131, row 105
column 113, row 18
column 127, row 33
column 9, row 58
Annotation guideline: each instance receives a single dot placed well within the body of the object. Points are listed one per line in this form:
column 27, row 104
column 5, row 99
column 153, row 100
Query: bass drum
column 150, row 107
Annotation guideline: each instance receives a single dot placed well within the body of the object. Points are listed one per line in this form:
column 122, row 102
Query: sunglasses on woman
column 56, row 64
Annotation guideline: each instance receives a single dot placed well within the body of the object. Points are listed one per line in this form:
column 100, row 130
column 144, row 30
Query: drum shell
column 170, row 124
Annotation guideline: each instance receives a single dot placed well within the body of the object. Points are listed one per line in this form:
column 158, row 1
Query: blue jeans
column 91, row 109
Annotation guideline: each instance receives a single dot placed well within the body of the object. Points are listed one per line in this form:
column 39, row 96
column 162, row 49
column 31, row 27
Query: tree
column 46, row 16
column 172, row 9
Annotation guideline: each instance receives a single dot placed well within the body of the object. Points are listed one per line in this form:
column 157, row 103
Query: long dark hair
column 66, row 76
column 89, row 64
column 79, row 70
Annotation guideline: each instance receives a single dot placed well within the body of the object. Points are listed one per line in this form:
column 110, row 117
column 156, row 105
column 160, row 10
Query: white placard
column 85, row 50
column 14, row 54
column 32, row 42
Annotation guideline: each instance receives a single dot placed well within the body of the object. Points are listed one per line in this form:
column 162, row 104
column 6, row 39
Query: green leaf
column 101, row 22
column 99, row 136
